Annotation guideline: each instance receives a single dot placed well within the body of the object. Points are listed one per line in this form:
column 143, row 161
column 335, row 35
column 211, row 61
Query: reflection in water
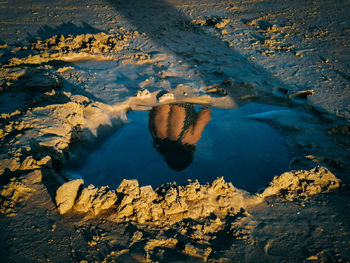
column 175, row 129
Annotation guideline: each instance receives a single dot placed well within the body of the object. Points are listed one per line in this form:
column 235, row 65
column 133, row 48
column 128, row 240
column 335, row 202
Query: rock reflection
column 175, row 129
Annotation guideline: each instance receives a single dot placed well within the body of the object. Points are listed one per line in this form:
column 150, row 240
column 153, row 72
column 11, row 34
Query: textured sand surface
column 71, row 70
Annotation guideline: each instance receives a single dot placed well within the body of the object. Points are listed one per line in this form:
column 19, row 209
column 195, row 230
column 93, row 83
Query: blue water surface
column 246, row 152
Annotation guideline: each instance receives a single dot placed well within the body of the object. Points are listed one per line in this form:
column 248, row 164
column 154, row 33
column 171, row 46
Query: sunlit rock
column 66, row 195
column 302, row 184
column 95, row 199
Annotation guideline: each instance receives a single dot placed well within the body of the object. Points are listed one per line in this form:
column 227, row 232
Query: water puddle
column 176, row 142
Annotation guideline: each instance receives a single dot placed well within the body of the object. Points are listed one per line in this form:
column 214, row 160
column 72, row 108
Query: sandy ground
column 70, row 70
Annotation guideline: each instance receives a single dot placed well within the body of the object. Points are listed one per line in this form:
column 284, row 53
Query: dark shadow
column 219, row 240
column 176, row 128
column 32, row 88
column 7, row 52
column 174, row 31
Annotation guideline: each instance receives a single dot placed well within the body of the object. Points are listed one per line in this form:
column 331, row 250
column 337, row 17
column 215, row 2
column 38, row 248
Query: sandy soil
column 69, row 73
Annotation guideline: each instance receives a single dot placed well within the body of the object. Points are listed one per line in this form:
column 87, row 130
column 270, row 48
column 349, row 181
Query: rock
column 142, row 206
column 126, row 201
column 302, row 184
column 179, row 206
column 142, row 211
column 147, row 194
column 30, row 163
column 105, row 199
column 45, row 161
column 125, row 211
column 138, row 204
column 129, row 187
column 190, row 191
column 84, row 202
column 153, row 243
column 170, row 196
column 95, row 199
column 66, row 195
column 171, row 203
column 222, row 23
column 221, row 187
column 156, row 212
column 128, row 190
